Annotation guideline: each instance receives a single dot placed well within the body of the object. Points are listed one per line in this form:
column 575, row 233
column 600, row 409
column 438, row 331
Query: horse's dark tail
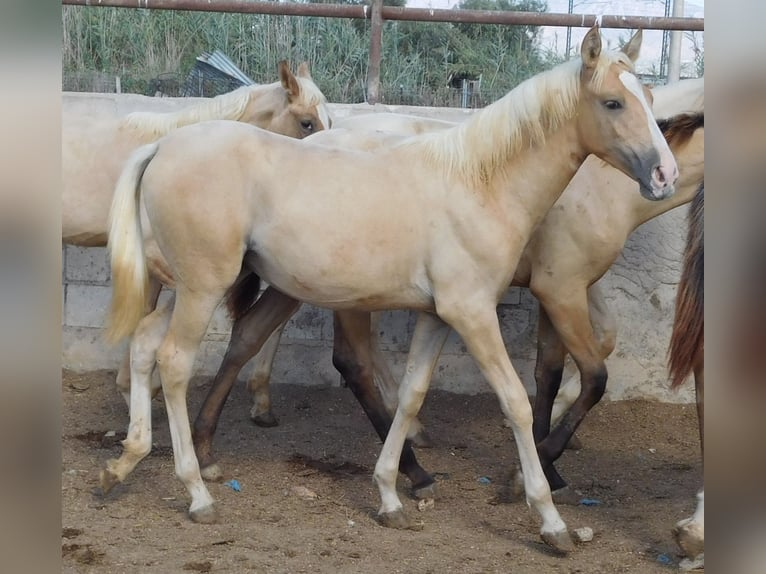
column 688, row 338
column 242, row 294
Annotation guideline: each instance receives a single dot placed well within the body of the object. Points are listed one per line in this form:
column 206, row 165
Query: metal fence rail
column 378, row 14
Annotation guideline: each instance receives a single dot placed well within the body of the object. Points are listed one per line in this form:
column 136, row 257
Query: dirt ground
column 640, row 461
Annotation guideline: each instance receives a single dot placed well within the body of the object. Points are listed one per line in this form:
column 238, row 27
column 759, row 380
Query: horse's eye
column 612, row 105
column 307, row 125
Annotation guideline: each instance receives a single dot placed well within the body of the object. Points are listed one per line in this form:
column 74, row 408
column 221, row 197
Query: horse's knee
column 410, row 401
column 519, row 413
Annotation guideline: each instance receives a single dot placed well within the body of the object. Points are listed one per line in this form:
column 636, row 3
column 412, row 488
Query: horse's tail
column 243, row 293
column 688, row 337
column 126, row 248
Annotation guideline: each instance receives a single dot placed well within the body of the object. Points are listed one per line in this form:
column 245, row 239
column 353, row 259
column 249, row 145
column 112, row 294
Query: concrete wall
column 640, row 287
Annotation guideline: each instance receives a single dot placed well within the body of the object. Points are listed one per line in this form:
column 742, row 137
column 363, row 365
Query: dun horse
column 94, row 150
column 441, row 233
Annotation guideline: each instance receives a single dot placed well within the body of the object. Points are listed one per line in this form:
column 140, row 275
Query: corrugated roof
column 221, row 62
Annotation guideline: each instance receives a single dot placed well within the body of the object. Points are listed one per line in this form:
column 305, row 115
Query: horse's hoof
column 263, row 419
column 108, row 480
column 574, row 443
column 560, row 541
column 205, row 515
column 398, row 520
column 425, row 491
column 689, row 564
column 565, row 496
column 212, row 472
column 690, row 538
column 422, row 440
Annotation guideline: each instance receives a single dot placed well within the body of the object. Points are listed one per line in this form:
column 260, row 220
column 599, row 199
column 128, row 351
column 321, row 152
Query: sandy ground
column 640, row 461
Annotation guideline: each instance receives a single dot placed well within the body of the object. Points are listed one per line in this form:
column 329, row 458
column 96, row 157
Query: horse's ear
column 289, row 83
column 633, row 47
column 303, row 71
column 591, row 47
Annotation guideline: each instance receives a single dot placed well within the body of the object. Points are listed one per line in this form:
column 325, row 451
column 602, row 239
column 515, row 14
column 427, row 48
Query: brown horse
column 687, row 356
column 95, row 149
column 440, row 234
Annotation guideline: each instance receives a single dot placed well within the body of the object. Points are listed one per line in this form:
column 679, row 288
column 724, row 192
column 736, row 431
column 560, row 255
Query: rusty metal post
column 376, row 49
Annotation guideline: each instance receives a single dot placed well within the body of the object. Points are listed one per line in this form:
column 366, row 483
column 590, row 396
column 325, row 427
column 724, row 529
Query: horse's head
column 304, row 110
column 615, row 118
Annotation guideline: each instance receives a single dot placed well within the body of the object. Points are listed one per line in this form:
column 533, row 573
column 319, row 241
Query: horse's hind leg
column 248, row 335
column 142, row 353
column 389, row 388
column 569, row 315
column 604, row 324
column 548, row 370
column 353, row 358
column 123, row 373
column 175, row 358
column 258, row 385
column 689, row 533
column 427, row 341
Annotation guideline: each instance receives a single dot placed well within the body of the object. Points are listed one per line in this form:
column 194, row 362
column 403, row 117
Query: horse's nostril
column 659, row 175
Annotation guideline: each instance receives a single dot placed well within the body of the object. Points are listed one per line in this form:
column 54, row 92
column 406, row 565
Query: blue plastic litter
column 589, row 502
column 485, row 480
column 233, row 484
column 664, row 559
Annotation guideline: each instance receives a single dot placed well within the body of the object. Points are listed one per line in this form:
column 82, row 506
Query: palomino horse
column 687, row 356
column 576, row 243
column 95, row 149
column 441, row 233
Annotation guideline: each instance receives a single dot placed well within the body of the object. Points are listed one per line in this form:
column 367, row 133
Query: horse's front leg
column 427, row 342
column 480, row 330
column 258, row 385
column 248, row 335
column 353, row 358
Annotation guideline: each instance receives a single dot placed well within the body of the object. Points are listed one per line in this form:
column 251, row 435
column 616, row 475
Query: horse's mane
column 523, row 117
column 680, row 128
column 687, row 96
column 228, row 106
column 688, row 338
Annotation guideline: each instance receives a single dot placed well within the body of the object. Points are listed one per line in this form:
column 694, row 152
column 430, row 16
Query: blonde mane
column 229, row 106
column 522, row 118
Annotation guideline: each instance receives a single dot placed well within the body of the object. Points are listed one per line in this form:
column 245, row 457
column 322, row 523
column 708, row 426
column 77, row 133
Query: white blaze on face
column 631, row 83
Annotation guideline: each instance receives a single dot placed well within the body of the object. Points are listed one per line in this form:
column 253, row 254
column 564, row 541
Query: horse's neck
column 534, row 178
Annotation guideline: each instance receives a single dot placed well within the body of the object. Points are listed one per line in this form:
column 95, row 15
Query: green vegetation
column 419, row 59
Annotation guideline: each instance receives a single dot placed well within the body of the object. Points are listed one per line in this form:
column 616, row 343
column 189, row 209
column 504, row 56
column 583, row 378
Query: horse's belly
column 370, row 289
